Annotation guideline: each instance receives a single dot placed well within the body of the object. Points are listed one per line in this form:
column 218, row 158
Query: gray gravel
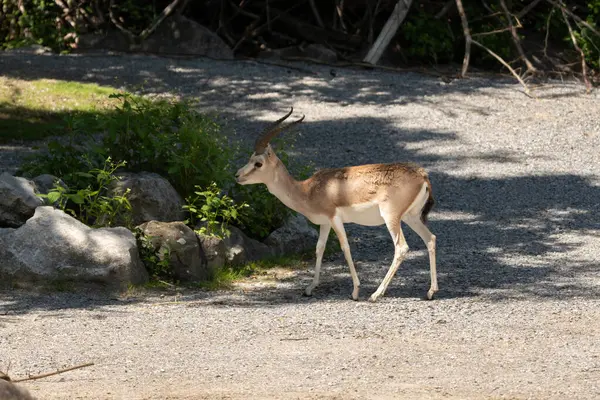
column 517, row 219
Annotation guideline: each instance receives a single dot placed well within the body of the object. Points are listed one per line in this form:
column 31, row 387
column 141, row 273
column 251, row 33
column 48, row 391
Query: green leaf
column 53, row 197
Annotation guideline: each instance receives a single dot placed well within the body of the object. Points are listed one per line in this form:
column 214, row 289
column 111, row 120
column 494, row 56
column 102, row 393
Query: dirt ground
column 517, row 221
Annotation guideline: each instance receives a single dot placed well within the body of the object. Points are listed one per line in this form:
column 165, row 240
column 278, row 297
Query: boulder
column 180, row 243
column 10, row 391
column 295, row 236
column 180, row 35
column 214, row 250
column 313, row 51
column 18, row 200
column 53, row 246
column 152, row 197
column 45, row 182
column 240, row 249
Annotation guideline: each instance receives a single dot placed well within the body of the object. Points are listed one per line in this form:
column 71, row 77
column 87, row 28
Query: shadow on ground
column 498, row 238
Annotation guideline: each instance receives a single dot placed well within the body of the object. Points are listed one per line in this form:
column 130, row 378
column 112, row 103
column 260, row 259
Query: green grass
column 227, row 276
column 33, row 110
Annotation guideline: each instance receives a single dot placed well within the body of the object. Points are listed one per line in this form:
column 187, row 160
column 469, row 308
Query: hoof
column 374, row 297
column 307, row 293
column 355, row 295
column 430, row 295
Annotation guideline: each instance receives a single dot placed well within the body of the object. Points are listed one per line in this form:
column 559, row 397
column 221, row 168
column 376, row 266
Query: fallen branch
column 116, row 23
column 388, row 31
column 586, row 80
column 316, row 13
column 60, row 371
column 165, row 13
column 445, row 9
column 501, row 60
column 527, row 8
column 515, row 37
column 468, row 38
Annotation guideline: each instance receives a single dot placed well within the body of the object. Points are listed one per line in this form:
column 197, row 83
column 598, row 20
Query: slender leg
column 338, row 227
column 323, row 235
column 421, row 229
column 400, row 249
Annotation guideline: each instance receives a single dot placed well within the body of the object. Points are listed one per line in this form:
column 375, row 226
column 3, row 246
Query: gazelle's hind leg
column 415, row 223
column 338, row 228
column 392, row 221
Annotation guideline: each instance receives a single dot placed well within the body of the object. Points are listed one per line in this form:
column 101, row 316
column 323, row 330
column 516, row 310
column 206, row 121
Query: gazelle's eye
column 258, row 165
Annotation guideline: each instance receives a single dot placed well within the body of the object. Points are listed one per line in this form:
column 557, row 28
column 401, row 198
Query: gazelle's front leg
column 338, row 227
column 323, row 235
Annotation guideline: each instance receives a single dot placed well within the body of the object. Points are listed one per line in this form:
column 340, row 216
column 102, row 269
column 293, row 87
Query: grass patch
column 226, row 277
column 33, row 110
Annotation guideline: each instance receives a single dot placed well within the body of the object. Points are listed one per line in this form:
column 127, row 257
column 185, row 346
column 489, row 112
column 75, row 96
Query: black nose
column 237, row 174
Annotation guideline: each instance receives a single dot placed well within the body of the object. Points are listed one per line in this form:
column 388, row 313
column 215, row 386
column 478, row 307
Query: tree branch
column 316, row 13
column 586, row 80
column 515, row 37
column 527, row 8
column 60, row 371
column 501, row 60
column 165, row 13
column 577, row 19
column 468, row 38
column 116, row 23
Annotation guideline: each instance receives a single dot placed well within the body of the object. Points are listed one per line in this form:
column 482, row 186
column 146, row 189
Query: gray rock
column 32, row 49
column 111, row 40
column 240, row 249
column 315, row 51
column 214, row 250
column 53, row 246
column 180, row 35
column 182, row 246
column 45, row 182
column 295, row 236
column 10, row 391
column 152, row 197
column 18, row 200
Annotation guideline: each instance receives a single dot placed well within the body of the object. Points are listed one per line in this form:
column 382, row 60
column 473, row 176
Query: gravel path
column 517, row 182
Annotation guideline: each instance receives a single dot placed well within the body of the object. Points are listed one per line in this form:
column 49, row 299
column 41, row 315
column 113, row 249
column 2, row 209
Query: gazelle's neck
column 287, row 189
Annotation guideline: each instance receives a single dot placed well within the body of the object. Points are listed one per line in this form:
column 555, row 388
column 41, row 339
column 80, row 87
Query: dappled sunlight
column 512, row 218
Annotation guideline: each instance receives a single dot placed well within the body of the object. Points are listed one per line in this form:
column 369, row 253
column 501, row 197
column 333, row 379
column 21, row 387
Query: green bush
column 213, row 209
column 92, row 204
column 156, row 261
column 172, row 140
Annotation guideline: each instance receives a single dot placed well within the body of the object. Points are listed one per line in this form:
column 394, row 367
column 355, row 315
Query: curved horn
column 271, row 131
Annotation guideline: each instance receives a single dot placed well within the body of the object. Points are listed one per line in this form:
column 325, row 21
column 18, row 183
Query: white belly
column 362, row 214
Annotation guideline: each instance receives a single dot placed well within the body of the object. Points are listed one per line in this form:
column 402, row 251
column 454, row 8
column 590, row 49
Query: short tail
column 429, row 204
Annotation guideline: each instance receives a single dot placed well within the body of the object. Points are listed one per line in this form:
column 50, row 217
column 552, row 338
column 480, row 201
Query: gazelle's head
column 260, row 167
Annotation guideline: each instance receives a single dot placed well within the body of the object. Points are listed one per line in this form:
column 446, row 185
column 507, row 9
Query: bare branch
column 444, row 9
column 501, row 60
column 577, row 19
column 588, row 85
column 527, row 8
column 165, row 13
column 60, row 371
column 515, row 37
column 388, row 31
column 339, row 7
column 116, row 23
column 468, row 38
column 548, row 31
column 316, row 13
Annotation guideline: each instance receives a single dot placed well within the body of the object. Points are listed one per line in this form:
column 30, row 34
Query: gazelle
column 371, row 195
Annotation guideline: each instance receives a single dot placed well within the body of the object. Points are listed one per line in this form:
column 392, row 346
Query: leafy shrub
column 91, row 204
column 213, row 209
column 172, row 140
column 157, row 262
